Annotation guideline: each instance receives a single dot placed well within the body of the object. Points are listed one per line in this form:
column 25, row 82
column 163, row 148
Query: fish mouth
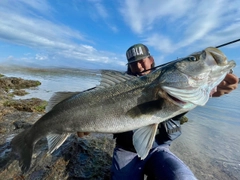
column 219, row 58
column 176, row 100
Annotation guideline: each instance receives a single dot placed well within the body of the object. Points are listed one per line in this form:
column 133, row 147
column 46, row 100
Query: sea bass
column 122, row 103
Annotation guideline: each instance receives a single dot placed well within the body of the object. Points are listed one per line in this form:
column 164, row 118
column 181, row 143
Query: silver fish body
column 122, row 103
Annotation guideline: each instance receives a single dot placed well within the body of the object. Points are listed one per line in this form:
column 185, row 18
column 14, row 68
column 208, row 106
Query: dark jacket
column 167, row 132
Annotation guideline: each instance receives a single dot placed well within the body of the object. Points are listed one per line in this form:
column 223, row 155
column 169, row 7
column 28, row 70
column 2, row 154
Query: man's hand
column 229, row 83
column 81, row 134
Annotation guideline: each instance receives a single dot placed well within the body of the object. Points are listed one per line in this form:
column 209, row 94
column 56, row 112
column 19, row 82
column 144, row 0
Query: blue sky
column 94, row 34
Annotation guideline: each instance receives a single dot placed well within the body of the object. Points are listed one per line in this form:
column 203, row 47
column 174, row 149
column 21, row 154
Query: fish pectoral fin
column 143, row 139
column 55, row 141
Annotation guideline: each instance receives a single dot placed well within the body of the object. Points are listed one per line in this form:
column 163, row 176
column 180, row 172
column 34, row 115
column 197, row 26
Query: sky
column 95, row 34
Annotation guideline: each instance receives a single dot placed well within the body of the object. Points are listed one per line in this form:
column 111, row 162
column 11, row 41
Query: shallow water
column 53, row 80
column 210, row 143
column 210, row 140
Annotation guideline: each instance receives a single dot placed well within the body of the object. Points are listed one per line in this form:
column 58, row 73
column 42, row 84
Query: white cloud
column 143, row 15
column 34, row 31
column 160, row 43
column 101, row 9
column 102, row 13
column 169, row 27
column 172, row 25
column 41, row 57
column 50, row 38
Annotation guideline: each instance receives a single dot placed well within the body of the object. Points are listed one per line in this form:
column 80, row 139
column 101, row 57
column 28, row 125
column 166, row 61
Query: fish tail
column 23, row 148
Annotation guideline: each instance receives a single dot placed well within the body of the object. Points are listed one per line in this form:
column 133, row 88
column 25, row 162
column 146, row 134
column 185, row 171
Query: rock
column 78, row 158
column 183, row 120
column 19, row 92
column 17, row 83
column 30, row 105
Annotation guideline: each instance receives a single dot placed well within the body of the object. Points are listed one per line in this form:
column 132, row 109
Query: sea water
column 210, row 140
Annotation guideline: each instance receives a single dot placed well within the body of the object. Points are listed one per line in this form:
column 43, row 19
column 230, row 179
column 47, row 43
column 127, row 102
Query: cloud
column 100, row 8
column 143, row 15
column 41, row 57
column 27, row 26
column 170, row 26
column 101, row 12
column 26, row 7
column 160, row 43
column 34, row 31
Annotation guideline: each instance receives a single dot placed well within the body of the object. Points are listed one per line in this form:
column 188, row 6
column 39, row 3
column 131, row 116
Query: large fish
column 122, row 103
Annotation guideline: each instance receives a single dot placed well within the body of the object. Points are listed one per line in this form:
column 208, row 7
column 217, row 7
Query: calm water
column 53, row 80
column 210, row 142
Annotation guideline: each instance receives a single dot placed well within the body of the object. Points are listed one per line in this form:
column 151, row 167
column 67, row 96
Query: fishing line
column 225, row 44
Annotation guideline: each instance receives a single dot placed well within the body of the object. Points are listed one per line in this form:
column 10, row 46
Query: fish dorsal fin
column 110, row 78
column 55, row 141
column 57, row 98
column 143, row 139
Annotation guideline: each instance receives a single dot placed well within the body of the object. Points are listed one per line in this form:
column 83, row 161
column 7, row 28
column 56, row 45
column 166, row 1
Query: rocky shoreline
column 78, row 158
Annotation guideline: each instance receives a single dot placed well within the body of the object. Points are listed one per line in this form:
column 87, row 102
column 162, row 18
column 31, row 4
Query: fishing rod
column 225, row 44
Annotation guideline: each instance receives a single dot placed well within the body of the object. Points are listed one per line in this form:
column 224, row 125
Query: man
column 160, row 162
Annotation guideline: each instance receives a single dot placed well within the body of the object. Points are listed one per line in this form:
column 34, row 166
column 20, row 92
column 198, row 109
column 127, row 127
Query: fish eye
column 192, row 58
